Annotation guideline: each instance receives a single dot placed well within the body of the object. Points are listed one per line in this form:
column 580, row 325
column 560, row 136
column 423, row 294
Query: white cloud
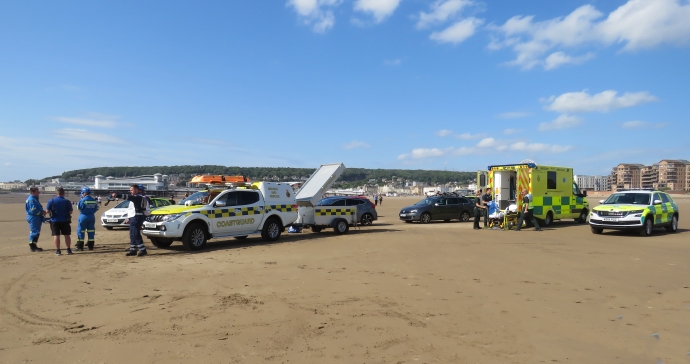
column 379, row 9
column 557, row 59
column 637, row 24
column 636, row 124
column 487, row 143
column 392, row 62
column 421, row 153
column 458, row 32
column 441, row 11
column 513, row 115
column 444, row 132
column 539, row 147
column 87, row 136
column 511, row 131
column 355, row 144
column 316, row 13
column 561, row 122
column 579, row 102
column 101, row 121
column 468, row 136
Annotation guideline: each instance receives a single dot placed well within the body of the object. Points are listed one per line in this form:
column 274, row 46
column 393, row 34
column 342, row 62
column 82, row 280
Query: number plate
column 610, row 219
column 111, row 220
column 149, row 225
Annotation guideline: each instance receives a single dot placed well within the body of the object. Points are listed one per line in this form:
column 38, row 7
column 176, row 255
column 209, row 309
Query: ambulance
column 555, row 194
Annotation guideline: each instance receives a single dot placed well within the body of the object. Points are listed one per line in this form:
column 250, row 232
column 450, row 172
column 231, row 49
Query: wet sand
column 388, row 293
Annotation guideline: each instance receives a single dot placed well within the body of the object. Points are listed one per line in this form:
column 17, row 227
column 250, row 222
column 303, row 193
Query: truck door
column 249, row 211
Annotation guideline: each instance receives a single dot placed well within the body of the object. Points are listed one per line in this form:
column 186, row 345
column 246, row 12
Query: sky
column 405, row 84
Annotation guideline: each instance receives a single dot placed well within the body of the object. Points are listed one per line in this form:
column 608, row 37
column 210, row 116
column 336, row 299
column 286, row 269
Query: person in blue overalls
column 35, row 216
column 87, row 207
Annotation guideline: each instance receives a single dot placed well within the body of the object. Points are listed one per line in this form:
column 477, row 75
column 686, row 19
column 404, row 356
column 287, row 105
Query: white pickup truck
column 234, row 211
column 320, row 217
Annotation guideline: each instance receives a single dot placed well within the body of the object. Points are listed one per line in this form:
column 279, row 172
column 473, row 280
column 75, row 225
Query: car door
column 667, row 207
column 453, row 210
column 440, row 209
column 221, row 214
column 248, row 211
column 659, row 209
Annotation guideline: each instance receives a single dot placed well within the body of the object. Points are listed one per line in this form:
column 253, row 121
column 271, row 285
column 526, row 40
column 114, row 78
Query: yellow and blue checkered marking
column 231, row 212
column 281, row 208
column 335, row 212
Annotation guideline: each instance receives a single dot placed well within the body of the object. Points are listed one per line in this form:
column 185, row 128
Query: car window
column 196, row 198
column 353, row 202
column 229, row 198
column 453, row 201
column 442, row 202
column 154, row 204
column 629, row 198
column 122, row 205
column 165, row 203
column 463, row 200
column 551, row 180
column 247, row 197
column 656, row 197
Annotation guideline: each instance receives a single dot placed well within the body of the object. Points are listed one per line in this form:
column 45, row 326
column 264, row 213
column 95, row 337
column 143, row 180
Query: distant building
column 627, row 176
column 673, row 174
column 593, row 183
column 12, row 186
column 156, row 182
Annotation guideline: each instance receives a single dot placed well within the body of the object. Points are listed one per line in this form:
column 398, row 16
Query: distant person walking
column 87, row 220
column 35, row 216
column 486, row 198
column 139, row 205
column 60, row 218
column 376, row 200
column 381, row 200
column 478, row 209
column 527, row 212
column 99, row 200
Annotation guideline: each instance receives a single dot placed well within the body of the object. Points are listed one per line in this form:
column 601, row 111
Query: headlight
column 413, row 211
column 635, row 212
column 171, row 217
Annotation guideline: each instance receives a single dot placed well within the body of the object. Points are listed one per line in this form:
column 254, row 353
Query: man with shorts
column 35, row 217
column 136, row 216
column 60, row 218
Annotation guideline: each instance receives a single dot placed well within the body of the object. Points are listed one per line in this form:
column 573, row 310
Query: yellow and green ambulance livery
column 641, row 210
column 555, row 194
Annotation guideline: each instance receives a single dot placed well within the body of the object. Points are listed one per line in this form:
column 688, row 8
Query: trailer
column 316, row 217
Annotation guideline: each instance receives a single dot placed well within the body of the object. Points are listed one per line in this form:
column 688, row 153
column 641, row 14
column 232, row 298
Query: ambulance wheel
column 673, row 227
column 161, row 243
column 194, row 237
column 425, row 218
column 272, row 229
column 241, row 237
column 648, row 226
column 549, row 219
column 465, row 216
column 367, row 219
column 341, row 227
column 596, row 230
column 316, row 229
column 108, row 227
column 583, row 217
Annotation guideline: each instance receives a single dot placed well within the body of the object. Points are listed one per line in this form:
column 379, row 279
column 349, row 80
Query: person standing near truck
column 60, row 219
column 87, row 208
column 35, row 216
column 527, row 212
column 136, row 216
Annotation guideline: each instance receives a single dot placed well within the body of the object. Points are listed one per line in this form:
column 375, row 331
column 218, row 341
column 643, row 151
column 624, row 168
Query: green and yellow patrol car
column 641, row 210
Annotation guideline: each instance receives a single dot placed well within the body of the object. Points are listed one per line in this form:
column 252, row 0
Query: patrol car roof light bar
column 639, row 189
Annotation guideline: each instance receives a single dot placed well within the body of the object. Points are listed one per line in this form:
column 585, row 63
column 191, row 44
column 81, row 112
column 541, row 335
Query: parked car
column 439, row 208
column 117, row 216
column 366, row 210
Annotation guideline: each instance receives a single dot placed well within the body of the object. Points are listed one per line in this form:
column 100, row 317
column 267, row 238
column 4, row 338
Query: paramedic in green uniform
column 527, row 212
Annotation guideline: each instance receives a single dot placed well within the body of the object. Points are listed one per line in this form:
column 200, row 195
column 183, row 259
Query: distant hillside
column 351, row 176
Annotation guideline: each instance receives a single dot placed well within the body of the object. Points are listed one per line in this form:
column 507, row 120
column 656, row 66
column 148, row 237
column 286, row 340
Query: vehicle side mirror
column 584, row 193
column 219, row 204
column 657, row 202
column 436, row 204
column 601, row 201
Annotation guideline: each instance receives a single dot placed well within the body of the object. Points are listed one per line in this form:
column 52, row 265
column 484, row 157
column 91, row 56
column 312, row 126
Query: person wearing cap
column 35, row 216
column 87, row 208
column 60, row 219
column 139, row 206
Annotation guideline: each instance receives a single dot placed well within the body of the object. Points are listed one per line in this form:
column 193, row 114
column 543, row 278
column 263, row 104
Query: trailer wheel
column 194, row 237
column 161, row 243
column 271, row 231
column 341, row 227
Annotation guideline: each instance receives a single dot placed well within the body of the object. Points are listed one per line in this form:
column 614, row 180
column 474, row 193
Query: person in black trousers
column 486, row 198
column 478, row 209
column 527, row 212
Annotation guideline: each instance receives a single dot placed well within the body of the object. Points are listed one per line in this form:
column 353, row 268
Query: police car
column 641, row 210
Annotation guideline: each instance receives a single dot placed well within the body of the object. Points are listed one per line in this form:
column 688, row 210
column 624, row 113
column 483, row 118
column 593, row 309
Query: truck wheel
column 674, row 225
column 596, row 230
column 648, row 226
column 341, row 227
column 465, row 216
column 194, row 237
column 271, row 231
column 367, row 219
column 241, row 237
column 549, row 219
column 316, row 229
column 583, row 217
column 425, row 218
column 161, row 243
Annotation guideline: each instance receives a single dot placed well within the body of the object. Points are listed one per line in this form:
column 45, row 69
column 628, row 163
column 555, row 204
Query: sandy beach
column 388, row 293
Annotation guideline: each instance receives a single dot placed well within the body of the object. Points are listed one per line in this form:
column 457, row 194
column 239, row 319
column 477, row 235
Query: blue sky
column 448, row 84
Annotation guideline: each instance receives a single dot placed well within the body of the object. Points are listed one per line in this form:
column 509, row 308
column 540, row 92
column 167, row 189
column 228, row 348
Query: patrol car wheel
column 341, row 227
column 549, row 219
column 367, row 219
column 596, row 230
column 648, row 226
column 194, row 237
column 161, row 243
column 425, row 218
column 465, row 216
column 674, row 225
column 271, row 231
column 583, row 217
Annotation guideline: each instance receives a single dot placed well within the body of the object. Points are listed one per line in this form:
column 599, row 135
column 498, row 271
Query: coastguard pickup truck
column 233, row 210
